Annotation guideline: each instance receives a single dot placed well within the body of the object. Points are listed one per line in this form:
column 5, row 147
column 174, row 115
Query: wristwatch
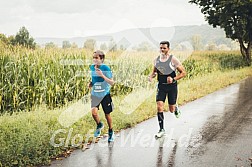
column 174, row 80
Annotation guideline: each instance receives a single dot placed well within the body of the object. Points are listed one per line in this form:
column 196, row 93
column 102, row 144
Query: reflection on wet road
column 212, row 131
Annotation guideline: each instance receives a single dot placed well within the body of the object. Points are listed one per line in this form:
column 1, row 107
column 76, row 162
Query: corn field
column 55, row 77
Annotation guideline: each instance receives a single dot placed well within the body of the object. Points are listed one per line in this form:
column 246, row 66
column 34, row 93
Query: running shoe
column 160, row 133
column 111, row 136
column 177, row 112
column 99, row 127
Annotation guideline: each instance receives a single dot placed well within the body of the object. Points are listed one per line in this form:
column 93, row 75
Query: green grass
column 200, row 86
column 26, row 136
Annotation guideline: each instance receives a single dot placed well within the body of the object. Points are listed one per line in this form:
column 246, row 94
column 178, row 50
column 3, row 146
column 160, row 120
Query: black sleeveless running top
column 164, row 69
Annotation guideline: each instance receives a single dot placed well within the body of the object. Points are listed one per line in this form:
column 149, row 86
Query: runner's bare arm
column 182, row 72
column 154, row 72
column 108, row 80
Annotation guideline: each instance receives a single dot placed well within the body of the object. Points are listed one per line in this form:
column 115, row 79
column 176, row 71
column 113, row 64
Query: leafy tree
column 103, row 46
column 112, row 45
column 234, row 45
column 66, row 44
column 90, row 44
column 122, row 47
column 50, row 45
column 211, row 46
column 223, row 47
column 11, row 40
column 144, row 46
column 3, row 38
column 196, row 42
column 74, row 45
column 23, row 38
column 235, row 17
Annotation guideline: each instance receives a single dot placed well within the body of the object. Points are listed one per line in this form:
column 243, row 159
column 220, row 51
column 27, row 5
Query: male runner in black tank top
column 165, row 67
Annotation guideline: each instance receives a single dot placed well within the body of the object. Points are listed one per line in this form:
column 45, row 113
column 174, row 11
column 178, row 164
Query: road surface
column 213, row 131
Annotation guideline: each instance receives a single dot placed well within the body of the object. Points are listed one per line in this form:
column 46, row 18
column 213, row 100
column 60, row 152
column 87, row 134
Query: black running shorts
column 169, row 90
column 106, row 102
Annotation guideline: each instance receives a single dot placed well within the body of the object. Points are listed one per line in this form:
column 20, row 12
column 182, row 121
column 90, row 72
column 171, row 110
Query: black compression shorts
column 106, row 102
column 169, row 90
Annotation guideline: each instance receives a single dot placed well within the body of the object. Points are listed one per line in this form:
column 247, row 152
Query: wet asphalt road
column 213, row 131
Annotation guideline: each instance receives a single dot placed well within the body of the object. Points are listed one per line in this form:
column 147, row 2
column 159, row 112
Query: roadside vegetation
column 38, row 86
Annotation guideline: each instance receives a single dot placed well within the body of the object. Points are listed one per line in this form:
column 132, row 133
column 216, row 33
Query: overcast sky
column 71, row 18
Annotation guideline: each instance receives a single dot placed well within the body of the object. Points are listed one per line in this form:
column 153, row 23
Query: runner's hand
column 90, row 85
column 169, row 80
column 98, row 72
column 150, row 78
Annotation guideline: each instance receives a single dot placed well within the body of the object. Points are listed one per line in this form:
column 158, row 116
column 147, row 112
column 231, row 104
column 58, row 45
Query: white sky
column 71, row 18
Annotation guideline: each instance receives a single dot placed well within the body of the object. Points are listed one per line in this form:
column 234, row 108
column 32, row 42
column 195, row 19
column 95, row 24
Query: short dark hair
column 100, row 54
column 165, row 42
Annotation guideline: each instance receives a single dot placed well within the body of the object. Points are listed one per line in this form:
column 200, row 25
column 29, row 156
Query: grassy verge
column 26, row 137
column 203, row 85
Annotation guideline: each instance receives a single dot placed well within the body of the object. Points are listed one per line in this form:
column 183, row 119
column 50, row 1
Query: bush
column 24, row 139
column 196, row 68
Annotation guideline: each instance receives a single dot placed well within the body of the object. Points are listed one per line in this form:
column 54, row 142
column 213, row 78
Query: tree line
column 235, row 17
column 22, row 38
